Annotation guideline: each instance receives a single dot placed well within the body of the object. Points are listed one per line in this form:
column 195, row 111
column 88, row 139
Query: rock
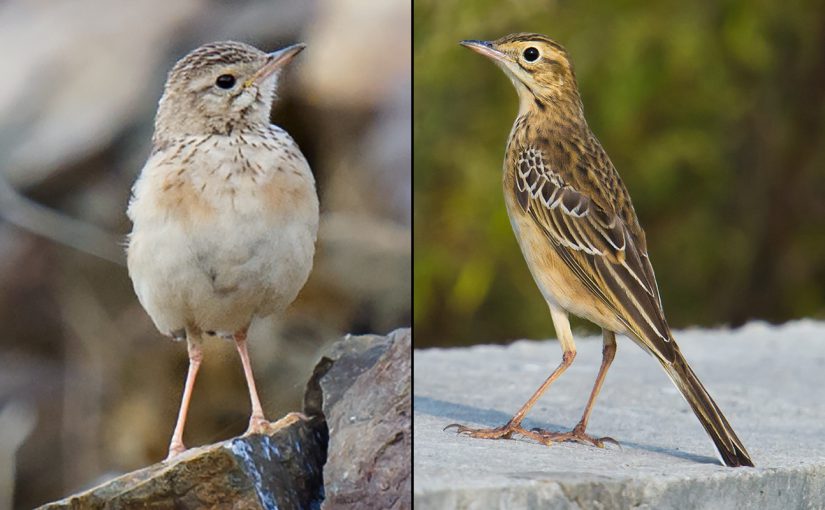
column 360, row 391
column 766, row 380
column 280, row 469
column 363, row 387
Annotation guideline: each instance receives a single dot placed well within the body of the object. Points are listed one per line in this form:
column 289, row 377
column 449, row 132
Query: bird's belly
column 558, row 284
column 217, row 277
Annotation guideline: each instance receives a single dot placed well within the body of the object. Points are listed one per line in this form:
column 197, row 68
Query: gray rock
column 363, row 388
column 358, row 400
column 766, row 379
column 280, row 469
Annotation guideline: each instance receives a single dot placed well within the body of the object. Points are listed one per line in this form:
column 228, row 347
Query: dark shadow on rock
column 474, row 416
column 701, row 459
column 469, row 415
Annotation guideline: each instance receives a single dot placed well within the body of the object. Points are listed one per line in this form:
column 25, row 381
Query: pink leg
column 257, row 422
column 195, row 356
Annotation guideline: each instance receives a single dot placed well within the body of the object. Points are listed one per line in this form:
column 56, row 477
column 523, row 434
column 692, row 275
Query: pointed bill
column 485, row 48
column 275, row 61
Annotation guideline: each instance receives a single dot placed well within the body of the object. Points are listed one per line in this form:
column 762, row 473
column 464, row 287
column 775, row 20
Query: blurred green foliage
column 712, row 111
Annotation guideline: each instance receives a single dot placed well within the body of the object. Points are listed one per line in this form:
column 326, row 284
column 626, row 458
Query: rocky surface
column 358, row 409
column 280, row 469
column 766, row 379
column 363, row 388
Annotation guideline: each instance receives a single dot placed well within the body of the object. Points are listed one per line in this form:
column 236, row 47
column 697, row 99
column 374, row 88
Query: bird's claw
column 496, row 433
column 577, row 436
column 505, row 432
column 175, row 449
column 257, row 425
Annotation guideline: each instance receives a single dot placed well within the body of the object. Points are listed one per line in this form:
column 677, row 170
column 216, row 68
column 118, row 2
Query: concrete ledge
column 769, row 381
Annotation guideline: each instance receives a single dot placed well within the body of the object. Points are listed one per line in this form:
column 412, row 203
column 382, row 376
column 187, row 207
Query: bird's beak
column 485, row 48
column 275, row 61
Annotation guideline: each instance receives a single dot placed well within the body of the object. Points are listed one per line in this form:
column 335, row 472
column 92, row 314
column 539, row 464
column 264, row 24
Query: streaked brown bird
column 578, row 231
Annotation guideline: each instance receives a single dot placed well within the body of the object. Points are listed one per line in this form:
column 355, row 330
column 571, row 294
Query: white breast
column 224, row 230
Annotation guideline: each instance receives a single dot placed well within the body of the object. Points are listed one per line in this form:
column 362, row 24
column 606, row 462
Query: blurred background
column 88, row 387
column 712, row 111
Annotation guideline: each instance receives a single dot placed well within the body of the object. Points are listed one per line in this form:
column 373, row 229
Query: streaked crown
column 210, row 57
column 219, row 87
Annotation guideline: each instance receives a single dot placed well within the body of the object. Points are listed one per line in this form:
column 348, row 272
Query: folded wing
column 597, row 246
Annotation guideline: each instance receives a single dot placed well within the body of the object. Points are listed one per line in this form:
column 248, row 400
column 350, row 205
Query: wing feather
column 597, row 246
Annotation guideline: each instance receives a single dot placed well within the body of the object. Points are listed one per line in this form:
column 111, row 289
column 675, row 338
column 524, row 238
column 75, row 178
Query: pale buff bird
column 225, row 212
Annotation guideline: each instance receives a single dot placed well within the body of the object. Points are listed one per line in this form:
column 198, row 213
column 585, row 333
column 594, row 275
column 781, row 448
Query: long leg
column 578, row 433
column 608, row 353
column 562, row 325
column 193, row 343
column 257, row 422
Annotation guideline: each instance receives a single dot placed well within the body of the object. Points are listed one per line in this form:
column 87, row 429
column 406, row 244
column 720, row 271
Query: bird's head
column 219, row 87
column 539, row 67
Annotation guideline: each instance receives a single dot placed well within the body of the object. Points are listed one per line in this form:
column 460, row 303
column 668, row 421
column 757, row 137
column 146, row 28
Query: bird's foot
column 258, row 425
column 504, row 432
column 294, row 416
column 175, row 449
column 576, row 435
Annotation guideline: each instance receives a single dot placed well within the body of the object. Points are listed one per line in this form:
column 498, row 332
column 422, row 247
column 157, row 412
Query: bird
column 578, row 231
column 224, row 212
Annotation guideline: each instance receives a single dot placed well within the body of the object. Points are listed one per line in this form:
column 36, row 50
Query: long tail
column 731, row 450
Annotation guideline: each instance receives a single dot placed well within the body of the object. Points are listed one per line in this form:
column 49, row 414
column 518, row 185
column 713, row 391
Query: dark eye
column 225, row 81
column 531, row 54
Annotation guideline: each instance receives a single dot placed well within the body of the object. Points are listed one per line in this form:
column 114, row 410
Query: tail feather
column 730, row 448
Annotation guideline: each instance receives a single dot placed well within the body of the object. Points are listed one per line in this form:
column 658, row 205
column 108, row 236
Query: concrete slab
column 769, row 381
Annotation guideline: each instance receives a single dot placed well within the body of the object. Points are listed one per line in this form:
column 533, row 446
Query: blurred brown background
column 88, row 387
column 712, row 111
